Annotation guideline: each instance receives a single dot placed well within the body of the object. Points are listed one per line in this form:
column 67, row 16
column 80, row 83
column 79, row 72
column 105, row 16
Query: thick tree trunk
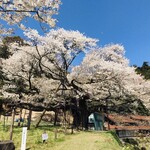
column 84, row 114
column 29, row 119
column 75, row 113
column 76, row 119
column 84, row 119
column 40, row 118
column 12, row 124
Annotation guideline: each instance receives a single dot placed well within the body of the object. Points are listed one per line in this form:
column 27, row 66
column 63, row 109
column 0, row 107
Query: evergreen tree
column 144, row 70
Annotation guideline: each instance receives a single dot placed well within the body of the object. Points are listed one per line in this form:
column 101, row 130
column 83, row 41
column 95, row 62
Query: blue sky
column 126, row 22
column 111, row 21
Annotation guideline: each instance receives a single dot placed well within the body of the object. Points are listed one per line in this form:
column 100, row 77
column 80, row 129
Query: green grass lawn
column 89, row 140
column 76, row 141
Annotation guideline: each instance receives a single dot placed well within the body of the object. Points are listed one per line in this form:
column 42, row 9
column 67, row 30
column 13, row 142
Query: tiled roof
column 114, row 127
column 138, row 117
column 127, row 119
column 121, row 119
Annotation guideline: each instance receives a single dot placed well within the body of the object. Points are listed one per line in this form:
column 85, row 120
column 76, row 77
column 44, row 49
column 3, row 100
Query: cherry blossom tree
column 106, row 76
column 57, row 50
column 18, row 11
column 61, row 47
column 43, row 66
column 109, row 83
column 44, row 58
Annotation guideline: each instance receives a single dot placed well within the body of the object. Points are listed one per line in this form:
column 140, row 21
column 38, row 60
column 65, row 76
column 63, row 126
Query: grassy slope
column 89, row 141
column 81, row 140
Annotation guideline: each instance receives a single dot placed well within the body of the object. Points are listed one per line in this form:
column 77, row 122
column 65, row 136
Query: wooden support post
column 12, row 123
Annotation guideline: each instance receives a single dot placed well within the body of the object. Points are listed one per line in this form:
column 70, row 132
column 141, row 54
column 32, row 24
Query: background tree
column 144, row 70
column 111, row 83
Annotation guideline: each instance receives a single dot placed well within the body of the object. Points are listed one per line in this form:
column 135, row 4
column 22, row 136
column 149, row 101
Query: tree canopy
column 18, row 12
column 41, row 69
column 37, row 72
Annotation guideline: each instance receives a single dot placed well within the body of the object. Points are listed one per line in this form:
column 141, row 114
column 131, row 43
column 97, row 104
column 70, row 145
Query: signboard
column 24, row 137
column 44, row 136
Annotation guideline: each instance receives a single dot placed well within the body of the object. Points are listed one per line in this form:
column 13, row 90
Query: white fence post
column 24, row 137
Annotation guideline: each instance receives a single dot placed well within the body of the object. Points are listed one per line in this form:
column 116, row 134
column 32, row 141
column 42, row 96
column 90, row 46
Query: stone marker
column 7, row 145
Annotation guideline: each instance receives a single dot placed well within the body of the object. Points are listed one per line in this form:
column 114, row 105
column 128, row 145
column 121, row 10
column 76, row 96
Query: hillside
column 78, row 140
column 89, row 141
